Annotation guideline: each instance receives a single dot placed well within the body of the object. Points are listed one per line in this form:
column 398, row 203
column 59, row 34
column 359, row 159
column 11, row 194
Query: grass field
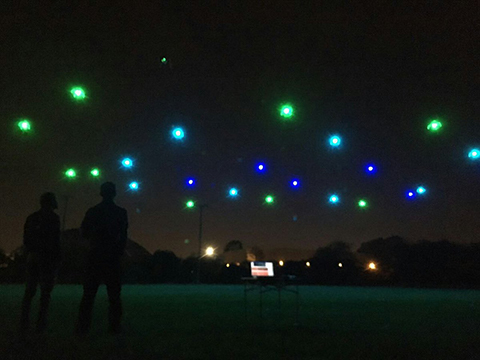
column 209, row 322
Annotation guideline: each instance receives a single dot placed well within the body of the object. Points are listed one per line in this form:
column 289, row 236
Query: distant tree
column 165, row 267
column 3, row 257
column 256, row 254
column 233, row 245
column 391, row 255
column 325, row 267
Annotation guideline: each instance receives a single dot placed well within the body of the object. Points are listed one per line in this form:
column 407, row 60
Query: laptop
column 261, row 269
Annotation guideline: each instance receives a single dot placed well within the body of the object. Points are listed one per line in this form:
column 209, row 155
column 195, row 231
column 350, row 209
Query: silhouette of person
column 105, row 226
column 41, row 239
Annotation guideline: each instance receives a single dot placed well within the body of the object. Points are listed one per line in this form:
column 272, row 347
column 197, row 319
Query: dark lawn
column 208, row 322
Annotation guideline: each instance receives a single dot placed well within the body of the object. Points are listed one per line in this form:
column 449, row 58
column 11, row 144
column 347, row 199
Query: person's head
column 108, row 191
column 48, row 201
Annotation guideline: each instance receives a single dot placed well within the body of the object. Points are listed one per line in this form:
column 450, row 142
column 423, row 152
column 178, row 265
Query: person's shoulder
column 120, row 209
column 33, row 215
column 95, row 208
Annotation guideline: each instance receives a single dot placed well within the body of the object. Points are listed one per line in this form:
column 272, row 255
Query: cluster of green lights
column 24, row 125
column 78, row 93
column 434, row 125
column 71, row 173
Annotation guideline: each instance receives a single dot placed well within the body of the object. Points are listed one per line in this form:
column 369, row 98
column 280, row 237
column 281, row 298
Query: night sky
column 374, row 74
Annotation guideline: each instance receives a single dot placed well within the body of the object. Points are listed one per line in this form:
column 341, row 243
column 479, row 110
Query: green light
column 190, row 204
column 70, row 173
column 164, row 60
column 435, row 125
column 269, row 199
column 78, row 93
column 95, row 172
column 286, row 111
column 24, row 125
column 362, row 203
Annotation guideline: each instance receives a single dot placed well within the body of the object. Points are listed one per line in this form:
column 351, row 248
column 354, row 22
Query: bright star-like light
column 133, row 185
column 190, row 182
column 372, row 266
column 295, row 183
column 127, row 163
column 370, row 169
column 95, row 172
column 24, row 125
column 474, row 154
column 70, row 173
column 421, row 190
column 178, row 133
column 190, row 204
column 78, row 93
column 335, row 141
column 261, row 167
column 410, row 194
column 362, row 203
column 286, row 111
column 269, row 199
column 233, row 192
column 210, row 251
column 333, row 199
column 434, row 125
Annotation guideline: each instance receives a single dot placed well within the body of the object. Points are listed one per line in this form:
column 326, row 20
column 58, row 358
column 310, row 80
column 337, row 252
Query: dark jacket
column 41, row 235
column 105, row 226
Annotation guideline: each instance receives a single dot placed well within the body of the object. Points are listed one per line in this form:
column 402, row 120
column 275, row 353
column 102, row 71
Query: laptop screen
column 261, row 268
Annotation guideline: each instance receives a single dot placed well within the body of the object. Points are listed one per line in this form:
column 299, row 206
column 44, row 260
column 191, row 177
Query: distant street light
column 372, row 266
column 210, row 251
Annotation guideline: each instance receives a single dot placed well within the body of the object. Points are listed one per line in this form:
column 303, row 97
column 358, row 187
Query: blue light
column 190, row 182
column 410, row 194
column 127, row 163
column 421, row 190
column 233, row 192
column 295, row 183
column 334, row 199
column 370, row 169
column 335, row 141
column 133, row 185
column 178, row 133
column 261, row 167
column 474, row 154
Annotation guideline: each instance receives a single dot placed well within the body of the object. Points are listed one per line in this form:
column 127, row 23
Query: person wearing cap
column 105, row 226
column 41, row 240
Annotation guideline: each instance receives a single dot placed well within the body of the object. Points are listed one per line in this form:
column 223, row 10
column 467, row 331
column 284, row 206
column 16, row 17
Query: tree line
column 397, row 262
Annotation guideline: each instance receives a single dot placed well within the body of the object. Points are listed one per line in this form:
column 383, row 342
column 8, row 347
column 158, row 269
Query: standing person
column 105, row 226
column 41, row 239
